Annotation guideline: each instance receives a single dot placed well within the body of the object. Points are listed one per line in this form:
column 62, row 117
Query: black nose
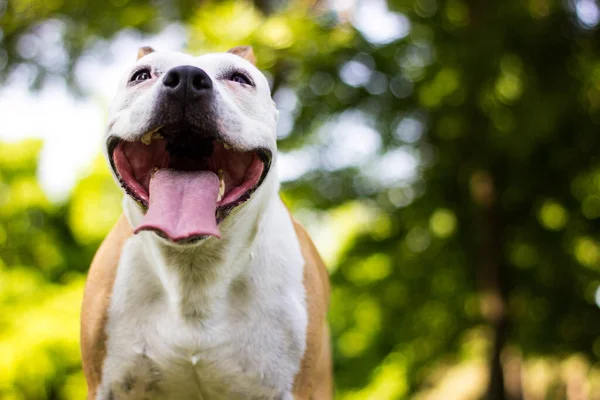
column 187, row 79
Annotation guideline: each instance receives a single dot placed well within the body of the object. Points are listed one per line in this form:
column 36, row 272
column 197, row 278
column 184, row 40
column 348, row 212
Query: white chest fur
column 231, row 326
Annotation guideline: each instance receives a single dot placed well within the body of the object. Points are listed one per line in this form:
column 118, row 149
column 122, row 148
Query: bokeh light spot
column 587, row 252
column 597, row 297
column 587, row 12
column 355, row 73
column 523, row 255
column 417, row 240
column 442, row 223
column 457, row 13
column 553, row 215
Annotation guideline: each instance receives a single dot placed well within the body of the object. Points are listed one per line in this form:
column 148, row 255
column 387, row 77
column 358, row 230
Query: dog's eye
column 140, row 75
column 240, row 78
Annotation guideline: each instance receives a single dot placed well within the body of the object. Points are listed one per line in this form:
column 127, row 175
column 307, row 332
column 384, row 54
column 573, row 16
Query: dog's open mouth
column 187, row 182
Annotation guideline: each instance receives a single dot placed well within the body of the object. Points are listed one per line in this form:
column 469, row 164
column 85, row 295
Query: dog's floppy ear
column 245, row 52
column 143, row 51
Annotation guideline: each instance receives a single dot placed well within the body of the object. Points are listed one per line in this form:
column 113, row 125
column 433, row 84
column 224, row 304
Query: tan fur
column 96, row 299
column 246, row 52
column 144, row 51
column 314, row 380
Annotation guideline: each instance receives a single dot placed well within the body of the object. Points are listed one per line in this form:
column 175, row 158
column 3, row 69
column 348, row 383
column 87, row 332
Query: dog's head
column 190, row 139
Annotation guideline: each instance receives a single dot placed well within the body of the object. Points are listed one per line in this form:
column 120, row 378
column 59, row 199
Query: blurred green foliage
column 476, row 274
column 42, row 267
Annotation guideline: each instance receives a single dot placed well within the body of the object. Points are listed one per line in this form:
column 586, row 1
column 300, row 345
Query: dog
column 206, row 287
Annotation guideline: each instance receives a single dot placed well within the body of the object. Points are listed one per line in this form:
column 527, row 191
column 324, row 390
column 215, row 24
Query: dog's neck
column 200, row 279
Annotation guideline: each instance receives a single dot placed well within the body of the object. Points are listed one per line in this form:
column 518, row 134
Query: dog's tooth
column 147, row 138
column 227, row 147
column 221, row 185
column 151, row 135
column 221, row 191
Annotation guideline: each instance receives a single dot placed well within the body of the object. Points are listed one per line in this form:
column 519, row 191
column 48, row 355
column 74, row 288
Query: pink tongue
column 182, row 204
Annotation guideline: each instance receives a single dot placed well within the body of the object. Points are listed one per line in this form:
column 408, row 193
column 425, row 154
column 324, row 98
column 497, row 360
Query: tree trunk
column 492, row 274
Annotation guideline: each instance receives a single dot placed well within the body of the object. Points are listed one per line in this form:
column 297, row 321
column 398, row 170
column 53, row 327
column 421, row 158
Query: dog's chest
column 173, row 361
column 251, row 349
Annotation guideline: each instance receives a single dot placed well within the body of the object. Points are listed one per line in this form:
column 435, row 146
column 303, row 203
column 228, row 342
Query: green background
column 475, row 276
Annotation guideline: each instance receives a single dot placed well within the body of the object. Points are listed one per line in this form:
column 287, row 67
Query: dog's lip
column 264, row 154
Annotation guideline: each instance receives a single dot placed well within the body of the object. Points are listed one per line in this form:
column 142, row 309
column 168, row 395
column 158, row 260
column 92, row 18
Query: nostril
column 201, row 81
column 186, row 79
column 171, row 79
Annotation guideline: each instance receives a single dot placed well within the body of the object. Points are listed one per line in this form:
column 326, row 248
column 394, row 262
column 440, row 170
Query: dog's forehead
column 211, row 63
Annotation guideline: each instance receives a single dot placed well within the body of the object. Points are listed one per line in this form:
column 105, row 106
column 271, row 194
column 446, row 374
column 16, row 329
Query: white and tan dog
column 206, row 288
